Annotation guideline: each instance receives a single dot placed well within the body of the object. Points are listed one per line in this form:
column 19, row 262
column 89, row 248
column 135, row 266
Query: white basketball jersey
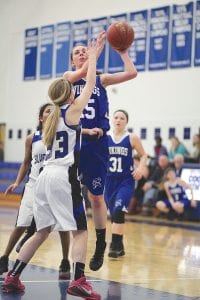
column 38, row 152
column 61, row 152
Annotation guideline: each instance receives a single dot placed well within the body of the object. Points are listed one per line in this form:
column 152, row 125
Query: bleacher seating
column 8, row 174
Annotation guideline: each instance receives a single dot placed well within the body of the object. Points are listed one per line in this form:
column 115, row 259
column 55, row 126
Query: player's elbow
column 133, row 74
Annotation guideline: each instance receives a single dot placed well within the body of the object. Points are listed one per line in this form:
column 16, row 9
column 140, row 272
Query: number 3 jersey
column 120, row 156
column 96, row 113
column 66, row 142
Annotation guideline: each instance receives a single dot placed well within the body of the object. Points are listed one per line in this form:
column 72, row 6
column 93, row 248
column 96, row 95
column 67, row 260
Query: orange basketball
column 120, row 35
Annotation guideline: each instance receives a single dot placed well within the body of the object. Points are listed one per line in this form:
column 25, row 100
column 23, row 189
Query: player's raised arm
column 79, row 58
column 74, row 112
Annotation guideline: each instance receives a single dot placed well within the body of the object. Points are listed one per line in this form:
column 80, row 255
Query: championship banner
column 96, row 26
column 159, row 38
column 139, row 22
column 80, row 32
column 115, row 63
column 30, row 58
column 46, row 51
column 197, row 35
column 62, row 40
column 181, row 48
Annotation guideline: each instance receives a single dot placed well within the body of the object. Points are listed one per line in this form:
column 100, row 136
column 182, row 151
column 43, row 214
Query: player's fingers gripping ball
column 120, row 35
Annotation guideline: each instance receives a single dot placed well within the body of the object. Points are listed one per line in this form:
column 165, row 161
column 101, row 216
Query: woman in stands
column 33, row 163
column 176, row 148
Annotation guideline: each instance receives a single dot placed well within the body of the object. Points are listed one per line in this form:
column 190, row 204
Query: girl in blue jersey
column 55, row 206
column 121, row 176
column 95, row 125
column 177, row 198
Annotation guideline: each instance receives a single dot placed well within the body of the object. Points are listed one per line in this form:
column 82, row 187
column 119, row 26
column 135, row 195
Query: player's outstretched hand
column 11, row 188
column 100, row 42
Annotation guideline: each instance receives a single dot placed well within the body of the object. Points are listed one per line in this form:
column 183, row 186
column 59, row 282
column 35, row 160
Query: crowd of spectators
column 151, row 188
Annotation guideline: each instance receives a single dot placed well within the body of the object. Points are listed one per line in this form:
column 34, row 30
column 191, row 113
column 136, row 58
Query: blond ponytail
column 59, row 92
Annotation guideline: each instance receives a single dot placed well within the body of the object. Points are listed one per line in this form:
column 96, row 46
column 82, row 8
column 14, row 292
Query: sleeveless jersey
column 178, row 192
column 120, row 156
column 38, row 151
column 65, row 143
column 96, row 113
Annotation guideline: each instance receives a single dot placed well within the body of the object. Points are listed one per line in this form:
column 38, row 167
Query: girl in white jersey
column 53, row 206
column 32, row 164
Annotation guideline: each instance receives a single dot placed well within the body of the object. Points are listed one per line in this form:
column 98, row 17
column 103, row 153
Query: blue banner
column 157, row 132
column 187, row 133
column 80, row 32
column 30, row 59
column 46, row 51
column 115, row 63
column 159, row 38
column 139, row 22
column 98, row 25
column 182, row 21
column 172, row 132
column 143, row 133
column 197, row 35
column 63, row 37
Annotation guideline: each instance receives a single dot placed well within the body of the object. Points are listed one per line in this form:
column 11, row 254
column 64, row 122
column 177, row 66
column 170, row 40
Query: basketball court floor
column 162, row 262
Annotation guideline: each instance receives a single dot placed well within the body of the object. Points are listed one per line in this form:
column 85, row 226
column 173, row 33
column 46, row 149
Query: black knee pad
column 118, row 217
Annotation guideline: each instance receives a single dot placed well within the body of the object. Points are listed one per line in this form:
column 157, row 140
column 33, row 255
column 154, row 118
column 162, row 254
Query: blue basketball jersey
column 96, row 113
column 120, row 156
column 178, row 192
column 119, row 185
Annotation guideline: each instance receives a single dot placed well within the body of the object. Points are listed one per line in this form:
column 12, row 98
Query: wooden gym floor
column 162, row 261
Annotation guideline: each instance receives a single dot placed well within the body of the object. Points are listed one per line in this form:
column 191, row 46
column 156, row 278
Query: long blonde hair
column 59, row 92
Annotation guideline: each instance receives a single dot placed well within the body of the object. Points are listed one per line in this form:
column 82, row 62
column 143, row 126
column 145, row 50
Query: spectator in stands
column 195, row 153
column 150, row 188
column 176, row 199
column 196, row 148
column 178, row 164
column 1, row 151
column 135, row 205
column 177, row 148
column 159, row 149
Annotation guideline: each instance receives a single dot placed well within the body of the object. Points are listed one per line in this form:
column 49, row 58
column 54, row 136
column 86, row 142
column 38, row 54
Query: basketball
column 120, row 35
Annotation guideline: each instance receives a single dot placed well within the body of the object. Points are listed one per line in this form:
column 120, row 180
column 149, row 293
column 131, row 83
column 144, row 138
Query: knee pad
column 118, row 217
